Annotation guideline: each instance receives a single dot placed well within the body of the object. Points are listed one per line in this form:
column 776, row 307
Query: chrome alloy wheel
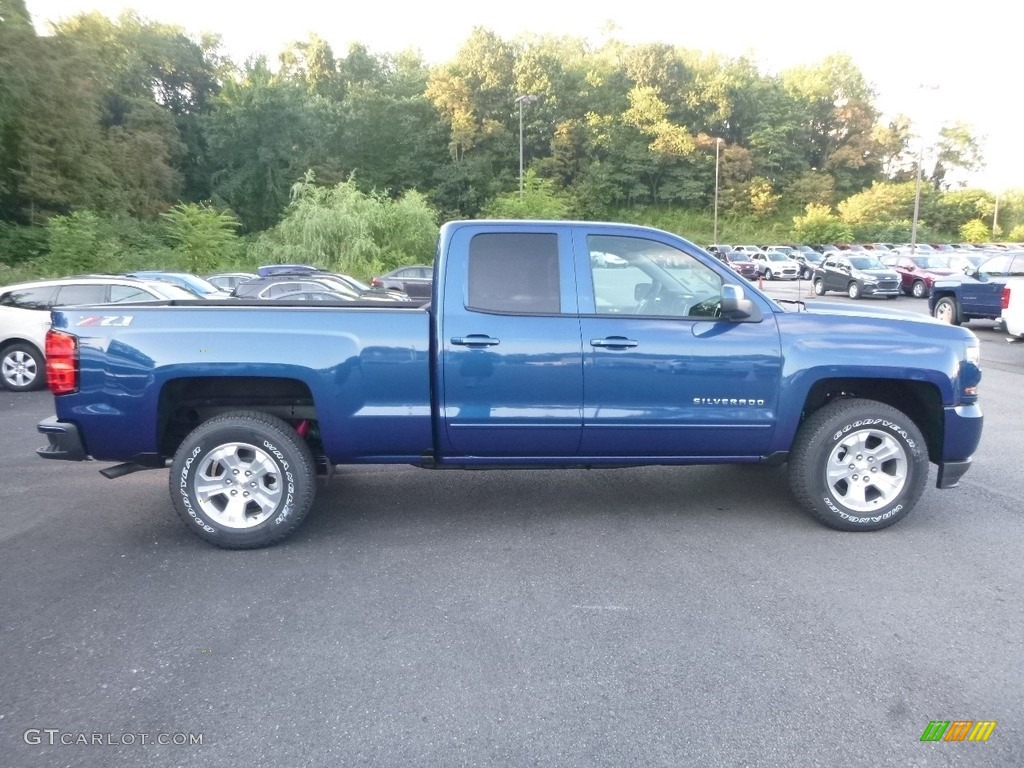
column 238, row 485
column 19, row 369
column 866, row 470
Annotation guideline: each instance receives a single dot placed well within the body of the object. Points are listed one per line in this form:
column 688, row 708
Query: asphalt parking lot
column 641, row 617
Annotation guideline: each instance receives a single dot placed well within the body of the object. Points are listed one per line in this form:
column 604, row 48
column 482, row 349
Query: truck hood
column 861, row 310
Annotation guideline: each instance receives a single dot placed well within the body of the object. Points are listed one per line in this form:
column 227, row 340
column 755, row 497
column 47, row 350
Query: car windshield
column 932, row 262
column 866, row 262
column 776, row 256
column 737, row 256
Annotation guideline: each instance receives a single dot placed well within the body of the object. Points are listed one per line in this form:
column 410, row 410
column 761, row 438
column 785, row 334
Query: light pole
column 718, row 144
column 917, row 186
column 526, row 98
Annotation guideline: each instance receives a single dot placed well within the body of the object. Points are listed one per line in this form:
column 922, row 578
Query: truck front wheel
column 243, row 480
column 858, row 465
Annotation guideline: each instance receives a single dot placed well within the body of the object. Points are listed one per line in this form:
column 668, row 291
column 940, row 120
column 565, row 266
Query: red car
column 918, row 273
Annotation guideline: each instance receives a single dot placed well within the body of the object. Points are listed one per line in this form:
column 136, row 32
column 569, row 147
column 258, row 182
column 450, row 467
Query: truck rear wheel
column 858, row 465
column 243, row 480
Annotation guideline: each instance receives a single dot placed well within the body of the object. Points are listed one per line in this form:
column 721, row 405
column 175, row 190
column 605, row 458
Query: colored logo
column 959, row 730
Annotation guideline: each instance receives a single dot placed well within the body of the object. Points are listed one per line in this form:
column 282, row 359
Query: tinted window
column 1017, row 268
column 29, row 298
column 69, row 295
column 997, row 265
column 511, row 272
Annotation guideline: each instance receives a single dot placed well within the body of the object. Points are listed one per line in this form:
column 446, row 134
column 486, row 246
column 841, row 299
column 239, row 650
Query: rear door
column 984, row 297
column 512, row 381
column 663, row 375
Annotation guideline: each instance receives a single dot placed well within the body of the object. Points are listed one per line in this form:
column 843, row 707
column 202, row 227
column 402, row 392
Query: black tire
column 919, row 290
column 22, row 368
column 769, row 275
column 853, row 290
column 275, row 497
column 819, row 287
column 946, row 310
column 863, row 491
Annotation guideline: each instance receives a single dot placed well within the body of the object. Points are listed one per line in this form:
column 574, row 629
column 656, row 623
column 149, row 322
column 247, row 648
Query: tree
column 205, row 236
column 819, row 225
column 540, row 200
column 958, row 150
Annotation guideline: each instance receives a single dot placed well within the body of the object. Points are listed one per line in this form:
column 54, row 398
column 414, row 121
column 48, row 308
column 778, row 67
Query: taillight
column 376, row 282
column 61, row 362
column 1006, row 297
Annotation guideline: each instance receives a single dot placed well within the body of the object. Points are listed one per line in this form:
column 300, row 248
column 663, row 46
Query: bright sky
column 972, row 55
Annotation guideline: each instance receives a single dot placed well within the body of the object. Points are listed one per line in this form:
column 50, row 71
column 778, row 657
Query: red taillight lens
column 376, row 282
column 1006, row 297
column 61, row 362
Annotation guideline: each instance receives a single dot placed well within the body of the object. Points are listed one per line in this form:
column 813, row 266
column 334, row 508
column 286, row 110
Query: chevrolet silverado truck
column 978, row 294
column 528, row 355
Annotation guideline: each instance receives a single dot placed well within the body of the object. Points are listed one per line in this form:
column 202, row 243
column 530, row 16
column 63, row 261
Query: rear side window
column 514, row 272
column 68, row 295
column 29, row 298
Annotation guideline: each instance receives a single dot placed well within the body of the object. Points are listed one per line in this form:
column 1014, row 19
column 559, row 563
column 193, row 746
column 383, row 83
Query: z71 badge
column 109, row 321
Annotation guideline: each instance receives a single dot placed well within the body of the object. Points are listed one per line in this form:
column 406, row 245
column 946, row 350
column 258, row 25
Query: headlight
column 973, row 354
column 870, row 280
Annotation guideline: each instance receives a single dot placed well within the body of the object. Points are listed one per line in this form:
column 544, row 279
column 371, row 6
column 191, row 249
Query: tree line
column 127, row 121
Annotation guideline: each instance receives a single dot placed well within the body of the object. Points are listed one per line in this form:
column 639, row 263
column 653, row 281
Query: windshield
column 776, row 256
column 866, row 262
column 931, row 262
column 168, row 291
column 737, row 256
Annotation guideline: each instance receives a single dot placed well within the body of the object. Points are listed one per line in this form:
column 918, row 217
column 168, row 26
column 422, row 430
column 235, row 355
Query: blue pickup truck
column 531, row 353
column 977, row 295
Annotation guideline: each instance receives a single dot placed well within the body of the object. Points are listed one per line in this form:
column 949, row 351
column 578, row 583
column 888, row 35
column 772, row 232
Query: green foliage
column 20, row 244
column 204, row 236
column 819, row 225
column 1016, row 234
column 540, row 200
column 85, row 242
column 975, row 231
column 348, row 231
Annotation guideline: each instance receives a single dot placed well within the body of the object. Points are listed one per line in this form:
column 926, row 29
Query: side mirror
column 735, row 305
column 641, row 291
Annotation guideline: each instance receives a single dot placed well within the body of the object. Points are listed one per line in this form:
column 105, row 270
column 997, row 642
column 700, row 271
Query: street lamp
column 718, row 144
column 526, row 98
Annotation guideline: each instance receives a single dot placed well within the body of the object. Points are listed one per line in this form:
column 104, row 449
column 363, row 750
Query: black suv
column 856, row 275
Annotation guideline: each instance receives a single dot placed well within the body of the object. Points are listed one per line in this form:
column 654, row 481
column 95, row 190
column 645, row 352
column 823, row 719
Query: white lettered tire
column 243, row 480
column 858, row 465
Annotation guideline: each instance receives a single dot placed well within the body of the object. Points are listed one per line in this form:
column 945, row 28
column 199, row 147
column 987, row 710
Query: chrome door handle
column 475, row 340
column 614, row 342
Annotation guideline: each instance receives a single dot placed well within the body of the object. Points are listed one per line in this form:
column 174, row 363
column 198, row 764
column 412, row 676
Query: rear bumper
column 962, row 435
column 64, row 441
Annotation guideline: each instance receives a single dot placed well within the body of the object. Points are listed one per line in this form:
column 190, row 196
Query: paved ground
column 649, row 617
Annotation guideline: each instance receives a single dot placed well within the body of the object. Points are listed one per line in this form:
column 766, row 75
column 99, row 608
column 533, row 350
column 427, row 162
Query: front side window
column 514, row 272
column 657, row 280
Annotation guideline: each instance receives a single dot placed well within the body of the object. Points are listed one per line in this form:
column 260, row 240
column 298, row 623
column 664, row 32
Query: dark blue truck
column 531, row 353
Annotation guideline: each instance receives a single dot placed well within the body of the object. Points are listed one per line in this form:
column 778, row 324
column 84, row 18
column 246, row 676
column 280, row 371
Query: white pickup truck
column 1013, row 307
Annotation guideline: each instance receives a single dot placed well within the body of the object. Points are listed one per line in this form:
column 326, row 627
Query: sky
column 926, row 60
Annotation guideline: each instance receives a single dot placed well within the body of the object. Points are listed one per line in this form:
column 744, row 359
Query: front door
column 663, row 374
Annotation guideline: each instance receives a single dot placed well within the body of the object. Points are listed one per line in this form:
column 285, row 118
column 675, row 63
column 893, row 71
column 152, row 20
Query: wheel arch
column 185, row 403
column 921, row 401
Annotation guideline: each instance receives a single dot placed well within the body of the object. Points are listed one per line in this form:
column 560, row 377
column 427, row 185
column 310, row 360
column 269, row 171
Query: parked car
column 918, row 273
column 227, row 281
column 607, row 260
column 740, row 263
column 194, row 284
column 1013, row 307
column 345, row 283
column 25, row 317
column 775, row 264
column 856, row 275
column 416, row 280
column 808, row 260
